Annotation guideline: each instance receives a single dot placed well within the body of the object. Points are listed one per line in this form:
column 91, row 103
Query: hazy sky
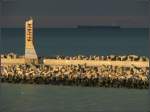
column 66, row 13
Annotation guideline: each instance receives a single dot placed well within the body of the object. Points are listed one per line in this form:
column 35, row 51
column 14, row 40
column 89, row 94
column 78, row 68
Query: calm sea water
column 47, row 98
column 73, row 41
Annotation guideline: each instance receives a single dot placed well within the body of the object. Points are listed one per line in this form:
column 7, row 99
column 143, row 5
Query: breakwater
column 80, row 75
column 110, row 71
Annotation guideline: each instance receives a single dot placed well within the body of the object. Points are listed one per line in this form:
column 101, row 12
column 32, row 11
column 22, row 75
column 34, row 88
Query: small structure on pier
column 30, row 53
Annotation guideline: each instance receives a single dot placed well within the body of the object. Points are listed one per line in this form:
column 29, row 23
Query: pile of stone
column 80, row 75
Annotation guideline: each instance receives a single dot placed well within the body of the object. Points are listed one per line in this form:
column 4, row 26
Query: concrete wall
column 12, row 61
column 81, row 62
column 96, row 63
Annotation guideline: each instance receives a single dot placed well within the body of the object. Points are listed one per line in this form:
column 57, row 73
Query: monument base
column 33, row 61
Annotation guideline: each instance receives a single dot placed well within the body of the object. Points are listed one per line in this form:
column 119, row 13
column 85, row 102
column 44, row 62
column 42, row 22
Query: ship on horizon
column 97, row 27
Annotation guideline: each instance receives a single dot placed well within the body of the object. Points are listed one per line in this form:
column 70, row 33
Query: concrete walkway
column 96, row 62
column 12, row 61
column 81, row 62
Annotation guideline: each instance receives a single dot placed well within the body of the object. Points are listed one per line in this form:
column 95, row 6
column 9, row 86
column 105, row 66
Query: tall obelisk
column 30, row 53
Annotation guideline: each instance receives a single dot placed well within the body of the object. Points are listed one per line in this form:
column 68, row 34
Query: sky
column 70, row 13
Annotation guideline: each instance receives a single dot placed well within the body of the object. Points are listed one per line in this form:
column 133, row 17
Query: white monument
column 30, row 53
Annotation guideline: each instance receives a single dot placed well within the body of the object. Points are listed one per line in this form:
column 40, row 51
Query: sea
column 70, row 42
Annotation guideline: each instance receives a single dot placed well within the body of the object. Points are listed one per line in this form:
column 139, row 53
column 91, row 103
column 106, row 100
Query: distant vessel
column 98, row 27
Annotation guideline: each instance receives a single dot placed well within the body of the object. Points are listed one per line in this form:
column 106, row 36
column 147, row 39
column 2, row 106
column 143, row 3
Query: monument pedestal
column 32, row 61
